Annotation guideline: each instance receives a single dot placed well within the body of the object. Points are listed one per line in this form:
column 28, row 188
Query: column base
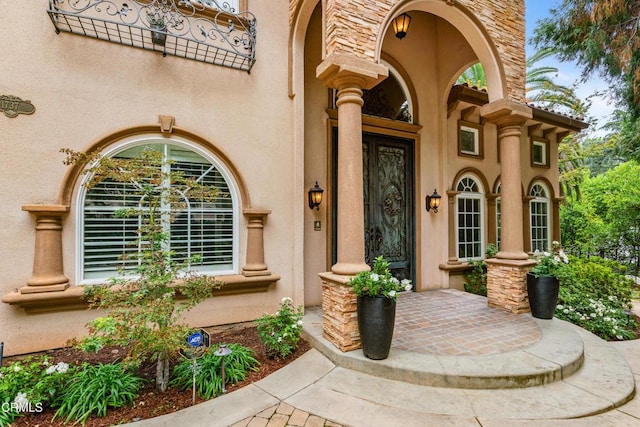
column 339, row 312
column 43, row 288
column 507, row 284
column 349, row 269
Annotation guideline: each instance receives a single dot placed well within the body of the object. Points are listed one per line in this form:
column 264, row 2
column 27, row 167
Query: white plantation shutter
column 200, row 229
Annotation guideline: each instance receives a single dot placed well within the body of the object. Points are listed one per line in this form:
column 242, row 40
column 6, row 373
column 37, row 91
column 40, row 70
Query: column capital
column 339, row 71
column 506, row 112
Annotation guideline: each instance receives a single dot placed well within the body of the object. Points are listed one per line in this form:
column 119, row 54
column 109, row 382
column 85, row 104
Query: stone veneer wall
column 340, row 315
column 353, row 27
column 507, row 286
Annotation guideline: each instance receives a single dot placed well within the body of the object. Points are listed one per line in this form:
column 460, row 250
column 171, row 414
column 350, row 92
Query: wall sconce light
column 401, row 25
column 315, row 196
column 433, row 201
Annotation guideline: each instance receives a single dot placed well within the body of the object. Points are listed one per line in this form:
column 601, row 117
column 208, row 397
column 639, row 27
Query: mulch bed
column 151, row 403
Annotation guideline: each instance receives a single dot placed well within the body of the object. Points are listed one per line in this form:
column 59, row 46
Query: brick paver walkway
column 285, row 415
column 447, row 323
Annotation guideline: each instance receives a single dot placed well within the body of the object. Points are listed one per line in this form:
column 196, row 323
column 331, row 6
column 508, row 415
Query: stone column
column 509, row 117
column 350, row 75
column 48, row 275
column 255, row 265
column 506, row 274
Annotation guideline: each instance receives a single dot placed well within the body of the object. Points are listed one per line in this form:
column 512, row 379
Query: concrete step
column 557, row 355
column 355, row 398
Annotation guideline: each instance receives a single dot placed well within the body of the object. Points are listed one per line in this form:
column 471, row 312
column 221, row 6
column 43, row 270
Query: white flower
column 286, row 300
column 62, row 367
column 566, row 311
column 21, row 400
column 50, row 370
column 16, row 368
column 405, row 282
column 394, row 281
column 392, row 294
column 560, row 306
column 408, row 287
column 619, row 337
column 375, row 277
column 279, row 339
column 299, row 322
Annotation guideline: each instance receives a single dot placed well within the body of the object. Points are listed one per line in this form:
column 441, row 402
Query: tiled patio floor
column 448, row 322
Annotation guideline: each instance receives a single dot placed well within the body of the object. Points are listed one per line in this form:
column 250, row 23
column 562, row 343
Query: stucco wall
column 85, row 90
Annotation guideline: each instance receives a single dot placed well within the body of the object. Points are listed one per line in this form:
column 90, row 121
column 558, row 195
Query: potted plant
column 376, row 292
column 542, row 281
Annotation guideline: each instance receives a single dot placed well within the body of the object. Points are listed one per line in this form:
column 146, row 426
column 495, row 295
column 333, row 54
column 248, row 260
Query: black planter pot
column 376, row 319
column 543, row 295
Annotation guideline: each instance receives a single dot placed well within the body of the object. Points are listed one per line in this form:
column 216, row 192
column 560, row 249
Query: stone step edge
column 558, row 355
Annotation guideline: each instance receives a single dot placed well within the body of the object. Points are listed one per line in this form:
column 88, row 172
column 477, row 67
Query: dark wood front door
column 388, row 202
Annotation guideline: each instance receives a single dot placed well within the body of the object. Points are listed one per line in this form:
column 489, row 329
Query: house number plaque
column 12, row 106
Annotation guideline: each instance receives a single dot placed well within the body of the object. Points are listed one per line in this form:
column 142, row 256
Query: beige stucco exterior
column 271, row 128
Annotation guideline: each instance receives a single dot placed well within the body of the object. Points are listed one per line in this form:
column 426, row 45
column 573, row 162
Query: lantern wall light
column 315, row 196
column 401, row 25
column 433, row 201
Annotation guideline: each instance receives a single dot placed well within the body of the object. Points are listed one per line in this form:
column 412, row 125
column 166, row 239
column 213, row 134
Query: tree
column 606, row 220
column 143, row 306
column 542, row 90
column 600, row 36
column 604, row 37
column 474, row 76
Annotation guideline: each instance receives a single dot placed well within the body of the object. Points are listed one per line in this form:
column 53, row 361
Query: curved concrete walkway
column 328, row 388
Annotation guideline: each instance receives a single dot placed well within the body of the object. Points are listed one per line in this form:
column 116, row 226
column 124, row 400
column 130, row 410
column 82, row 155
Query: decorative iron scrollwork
column 202, row 30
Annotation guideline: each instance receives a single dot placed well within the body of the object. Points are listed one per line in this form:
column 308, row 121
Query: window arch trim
column 140, row 139
column 70, row 183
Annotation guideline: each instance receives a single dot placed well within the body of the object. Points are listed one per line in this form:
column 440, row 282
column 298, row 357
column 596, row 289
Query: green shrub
column 280, row 332
column 594, row 294
column 237, row 365
column 94, row 389
column 31, row 385
column 476, row 279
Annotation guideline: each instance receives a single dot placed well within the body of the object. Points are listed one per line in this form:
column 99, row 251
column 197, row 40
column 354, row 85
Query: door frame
column 383, row 127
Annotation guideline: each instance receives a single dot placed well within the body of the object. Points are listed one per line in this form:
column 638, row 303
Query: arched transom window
column 540, row 219
column 469, row 219
column 205, row 231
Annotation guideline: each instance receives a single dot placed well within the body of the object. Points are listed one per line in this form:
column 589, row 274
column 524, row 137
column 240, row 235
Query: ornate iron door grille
column 201, row 30
column 388, row 202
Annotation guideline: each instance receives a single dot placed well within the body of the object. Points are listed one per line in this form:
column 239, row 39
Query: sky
column 568, row 73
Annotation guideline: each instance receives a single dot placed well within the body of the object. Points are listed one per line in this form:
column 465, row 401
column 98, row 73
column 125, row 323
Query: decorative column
column 555, row 218
column 255, row 265
column 453, row 250
column 349, row 75
column 48, row 275
column 506, row 274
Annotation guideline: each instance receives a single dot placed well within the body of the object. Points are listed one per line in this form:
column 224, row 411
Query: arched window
column 206, row 230
column 469, row 219
column 540, row 220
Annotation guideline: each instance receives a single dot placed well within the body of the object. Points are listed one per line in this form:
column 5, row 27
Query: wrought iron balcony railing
column 203, row 30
